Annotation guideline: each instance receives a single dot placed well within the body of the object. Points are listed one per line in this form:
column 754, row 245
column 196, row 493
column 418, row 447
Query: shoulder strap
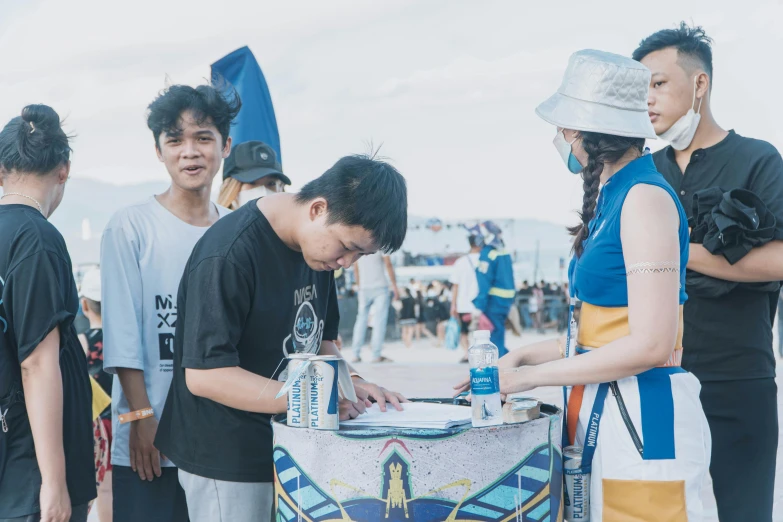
column 637, row 441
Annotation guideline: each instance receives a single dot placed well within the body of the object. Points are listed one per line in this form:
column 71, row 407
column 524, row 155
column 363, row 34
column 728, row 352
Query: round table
column 510, row 472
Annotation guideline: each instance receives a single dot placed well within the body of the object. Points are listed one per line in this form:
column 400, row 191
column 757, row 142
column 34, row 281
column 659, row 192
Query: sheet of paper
column 414, row 415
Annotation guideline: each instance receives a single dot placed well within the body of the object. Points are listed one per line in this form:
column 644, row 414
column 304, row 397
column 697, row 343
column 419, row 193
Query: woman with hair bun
column 45, row 397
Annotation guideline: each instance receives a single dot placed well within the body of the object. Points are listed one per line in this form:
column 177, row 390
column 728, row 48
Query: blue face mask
column 564, row 148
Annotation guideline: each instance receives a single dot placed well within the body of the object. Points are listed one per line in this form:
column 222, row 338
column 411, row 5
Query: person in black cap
column 250, row 172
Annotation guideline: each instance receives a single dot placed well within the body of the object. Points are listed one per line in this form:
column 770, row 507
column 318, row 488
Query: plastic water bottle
column 484, row 381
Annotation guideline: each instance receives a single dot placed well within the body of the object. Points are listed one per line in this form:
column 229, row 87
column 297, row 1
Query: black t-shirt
column 729, row 337
column 38, row 295
column 244, row 299
column 430, row 312
column 408, row 310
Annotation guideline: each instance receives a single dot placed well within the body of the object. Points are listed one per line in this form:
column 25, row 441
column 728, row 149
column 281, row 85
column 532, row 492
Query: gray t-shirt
column 372, row 272
column 144, row 251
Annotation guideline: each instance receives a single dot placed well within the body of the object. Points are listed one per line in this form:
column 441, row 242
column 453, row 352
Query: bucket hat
column 601, row 92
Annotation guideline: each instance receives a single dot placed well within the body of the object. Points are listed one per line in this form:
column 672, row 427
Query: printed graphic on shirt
column 95, row 357
column 307, row 330
column 166, row 310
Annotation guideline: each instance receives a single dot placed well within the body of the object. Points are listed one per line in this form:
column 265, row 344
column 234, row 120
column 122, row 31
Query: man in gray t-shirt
column 374, row 293
column 144, row 250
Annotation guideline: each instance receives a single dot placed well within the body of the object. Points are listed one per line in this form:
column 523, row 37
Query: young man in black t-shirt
column 258, row 286
column 727, row 340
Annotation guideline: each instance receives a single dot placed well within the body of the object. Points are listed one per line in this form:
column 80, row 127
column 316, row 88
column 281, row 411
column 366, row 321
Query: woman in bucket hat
column 620, row 363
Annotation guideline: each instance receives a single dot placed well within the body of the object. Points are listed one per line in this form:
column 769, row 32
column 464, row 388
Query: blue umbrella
column 256, row 120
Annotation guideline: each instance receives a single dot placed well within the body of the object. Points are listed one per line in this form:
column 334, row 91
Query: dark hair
column 94, row 306
column 34, row 142
column 692, row 44
column 219, row 106
column 601, row 149
column 366, row 192
column 474, row 241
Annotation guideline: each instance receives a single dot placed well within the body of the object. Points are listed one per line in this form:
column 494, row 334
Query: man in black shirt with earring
column 728, row 339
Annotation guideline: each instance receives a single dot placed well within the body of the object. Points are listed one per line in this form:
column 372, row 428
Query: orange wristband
column 136, row 415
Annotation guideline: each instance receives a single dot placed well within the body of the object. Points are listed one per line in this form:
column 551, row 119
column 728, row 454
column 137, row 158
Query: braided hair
column 601, row 149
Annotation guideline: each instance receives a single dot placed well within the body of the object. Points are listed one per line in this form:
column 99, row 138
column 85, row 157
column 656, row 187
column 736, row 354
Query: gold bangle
column 560, row 347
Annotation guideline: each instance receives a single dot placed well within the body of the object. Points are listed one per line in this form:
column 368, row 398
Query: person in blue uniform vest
column 495, row 280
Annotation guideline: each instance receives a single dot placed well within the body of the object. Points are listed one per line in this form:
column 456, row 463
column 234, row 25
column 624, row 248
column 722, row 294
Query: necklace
column 23, row 196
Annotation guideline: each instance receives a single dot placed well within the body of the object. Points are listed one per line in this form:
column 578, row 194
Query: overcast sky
column 448, row 86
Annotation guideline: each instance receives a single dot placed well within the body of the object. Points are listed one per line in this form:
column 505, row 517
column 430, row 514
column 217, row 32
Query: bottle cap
column 481, row 335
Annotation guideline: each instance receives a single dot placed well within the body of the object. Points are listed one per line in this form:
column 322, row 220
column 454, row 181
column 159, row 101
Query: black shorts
column 465, row 325
column 159, row 500
column 78, row 514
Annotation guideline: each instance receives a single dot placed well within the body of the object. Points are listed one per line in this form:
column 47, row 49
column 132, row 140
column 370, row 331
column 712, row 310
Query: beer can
column 298, row 403
column 323, row 395
column 577, row 486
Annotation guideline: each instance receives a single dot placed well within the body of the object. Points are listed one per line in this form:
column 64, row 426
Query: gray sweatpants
column 211, row 500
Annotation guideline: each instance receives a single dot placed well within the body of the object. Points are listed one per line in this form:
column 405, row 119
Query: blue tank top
column 598, row 276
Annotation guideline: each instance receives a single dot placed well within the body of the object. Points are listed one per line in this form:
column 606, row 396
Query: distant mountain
column 528, row 241
column 519, row 235
column 96, row 202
